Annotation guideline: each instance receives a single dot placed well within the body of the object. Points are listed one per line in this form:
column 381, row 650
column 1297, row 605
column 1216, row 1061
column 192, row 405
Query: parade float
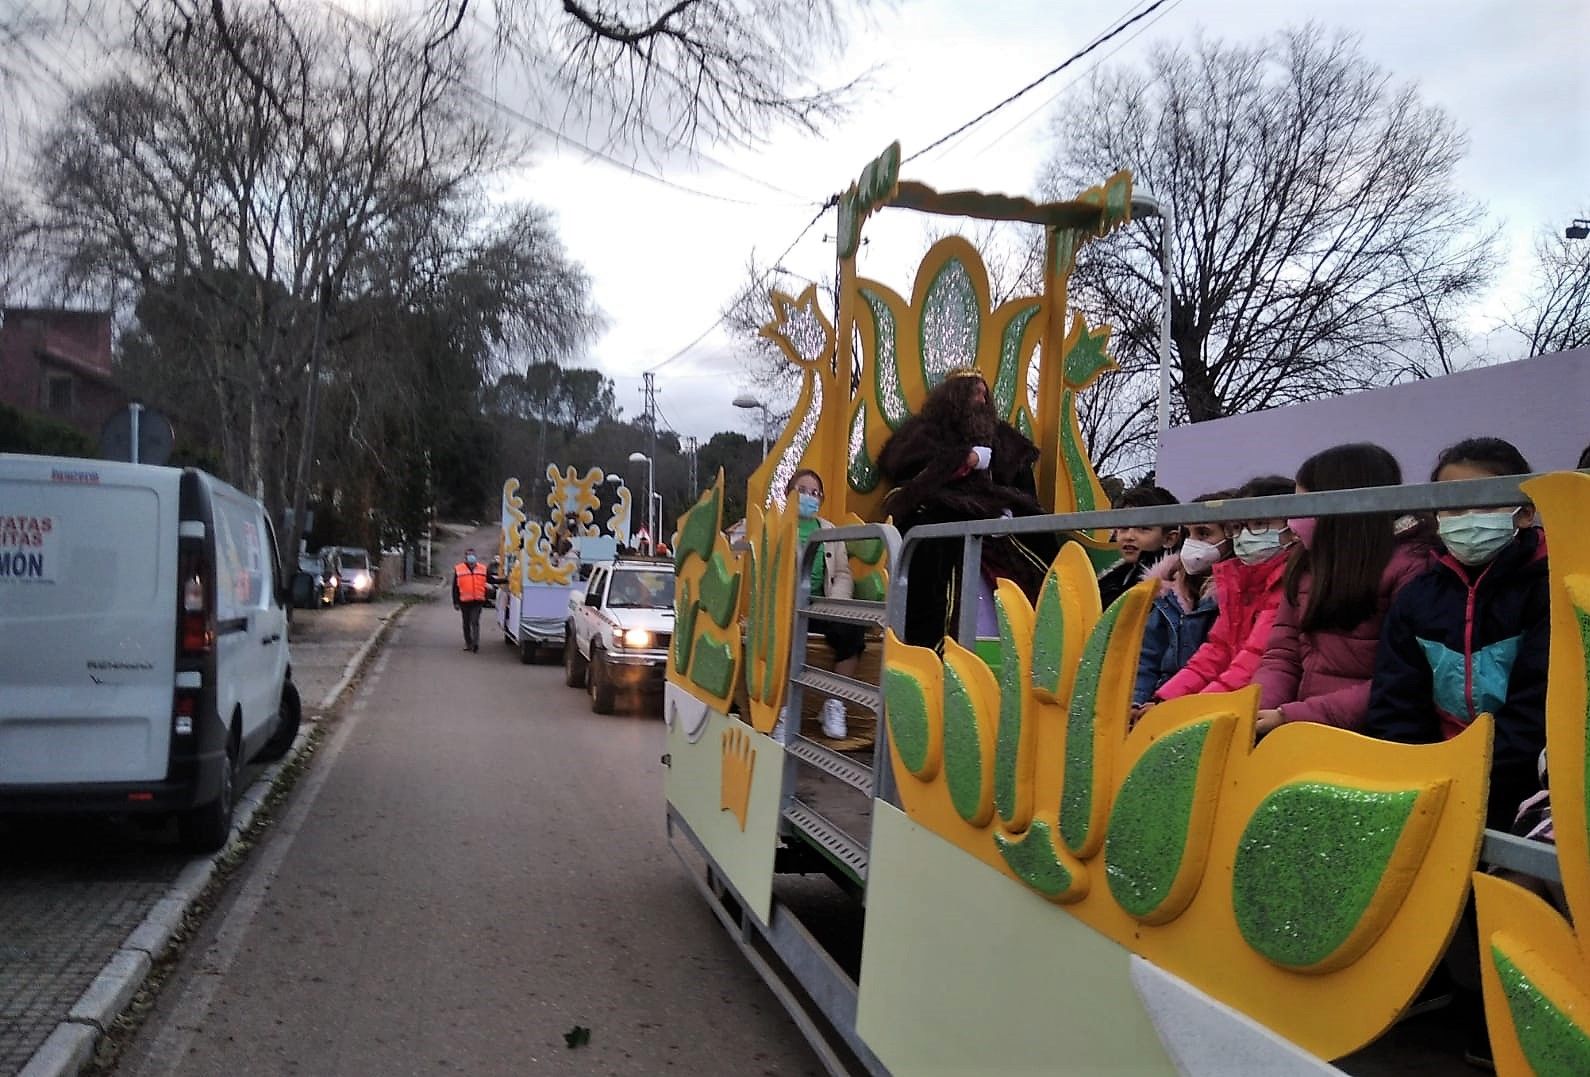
column 1039, row 888
column 585, row 519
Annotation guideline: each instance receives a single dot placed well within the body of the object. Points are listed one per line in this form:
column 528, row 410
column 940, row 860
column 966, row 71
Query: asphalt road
column 473, row 865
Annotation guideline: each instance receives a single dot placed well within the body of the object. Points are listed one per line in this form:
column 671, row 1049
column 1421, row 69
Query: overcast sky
column 664, row 262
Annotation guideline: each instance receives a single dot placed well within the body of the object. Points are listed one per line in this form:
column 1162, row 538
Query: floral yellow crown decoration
column 964, row 372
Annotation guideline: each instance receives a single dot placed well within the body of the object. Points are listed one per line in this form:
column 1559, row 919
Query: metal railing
column 801, row 751
column 1505, row 850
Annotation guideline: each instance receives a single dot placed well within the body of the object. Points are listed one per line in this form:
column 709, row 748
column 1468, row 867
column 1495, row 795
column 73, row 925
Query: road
column 473, row 865
column 71, row 890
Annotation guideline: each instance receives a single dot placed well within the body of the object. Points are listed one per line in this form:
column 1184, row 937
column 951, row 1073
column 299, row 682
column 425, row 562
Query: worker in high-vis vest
column 469, row 595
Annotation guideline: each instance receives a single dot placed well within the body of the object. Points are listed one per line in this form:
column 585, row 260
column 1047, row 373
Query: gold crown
column 964, row 372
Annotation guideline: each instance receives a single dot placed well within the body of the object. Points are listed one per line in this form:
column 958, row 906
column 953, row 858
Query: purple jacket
column 1324, row 676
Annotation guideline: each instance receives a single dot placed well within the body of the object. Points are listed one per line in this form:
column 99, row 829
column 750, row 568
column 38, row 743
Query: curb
column 70, row 1046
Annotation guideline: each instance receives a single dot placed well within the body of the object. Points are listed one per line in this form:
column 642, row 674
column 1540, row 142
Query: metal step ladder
column 847, row 852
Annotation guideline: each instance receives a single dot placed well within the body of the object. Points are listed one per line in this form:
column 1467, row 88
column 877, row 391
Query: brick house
column 57, row 363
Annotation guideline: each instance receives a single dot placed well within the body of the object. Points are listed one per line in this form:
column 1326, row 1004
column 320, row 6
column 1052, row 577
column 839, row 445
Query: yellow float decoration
column 1535, row 966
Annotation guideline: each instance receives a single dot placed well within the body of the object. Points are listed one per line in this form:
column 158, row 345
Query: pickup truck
column 619, row 629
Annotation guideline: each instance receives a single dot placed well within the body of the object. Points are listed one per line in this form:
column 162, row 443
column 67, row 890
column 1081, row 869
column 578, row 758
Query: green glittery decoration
column 1065, row 250
column 1006, row 382
column 1007, row 748
column 1553, row 1044
column 1077, row 467
column 1024, row 423
column 684, row 627
column 862, row 474
column 1147, row 837
column 963, row 752
column 1308, row 865
column 1048, row 641
column 713, row 668
column 719, row 588
column 949, row 324
column 1076, row 798
column 886, row 361
column 906, row 707
column 699, row 529
column 1032, row 858
column 1086, row 360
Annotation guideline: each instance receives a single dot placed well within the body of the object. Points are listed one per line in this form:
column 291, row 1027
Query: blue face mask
column 807, row 504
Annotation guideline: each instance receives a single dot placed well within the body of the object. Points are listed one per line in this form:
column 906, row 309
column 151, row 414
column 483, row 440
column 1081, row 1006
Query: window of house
column 58, row 392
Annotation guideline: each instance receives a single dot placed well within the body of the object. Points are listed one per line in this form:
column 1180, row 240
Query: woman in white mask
column 1247, row 587
column 1470, row 635
column 831, row 578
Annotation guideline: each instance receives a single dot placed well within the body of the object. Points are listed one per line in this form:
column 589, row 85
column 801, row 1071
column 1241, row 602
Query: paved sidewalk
column 87, row 905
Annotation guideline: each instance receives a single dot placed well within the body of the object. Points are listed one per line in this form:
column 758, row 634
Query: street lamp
column 651, row 507
column 746, row 400
column 1579, row 229
column 1146, row 205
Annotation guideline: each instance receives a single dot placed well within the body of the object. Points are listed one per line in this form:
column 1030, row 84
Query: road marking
column 189, row 1010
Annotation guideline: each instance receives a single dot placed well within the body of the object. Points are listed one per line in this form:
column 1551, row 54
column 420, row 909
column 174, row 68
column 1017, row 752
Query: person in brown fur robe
column 956, row 460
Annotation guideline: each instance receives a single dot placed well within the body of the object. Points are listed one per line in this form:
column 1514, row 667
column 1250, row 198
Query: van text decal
column 57, row 475
column 29, row 549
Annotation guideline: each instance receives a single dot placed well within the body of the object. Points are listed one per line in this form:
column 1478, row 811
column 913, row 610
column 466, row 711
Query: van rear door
column 88, row 563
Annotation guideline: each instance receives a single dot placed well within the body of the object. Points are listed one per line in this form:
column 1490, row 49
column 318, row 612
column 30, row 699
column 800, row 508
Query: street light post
column 1146, row 205
column 651, row 504
column 746, row 400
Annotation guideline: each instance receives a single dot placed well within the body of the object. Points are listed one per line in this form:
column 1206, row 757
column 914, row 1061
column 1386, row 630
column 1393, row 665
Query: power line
column 558, row 136
column 1035, row 83
column 760, row 280
column 997, row 139
column 573, row 88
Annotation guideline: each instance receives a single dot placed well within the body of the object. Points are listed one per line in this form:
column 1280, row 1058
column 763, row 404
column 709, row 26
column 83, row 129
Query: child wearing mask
column 831, row 578
column 1186, row 606
column 1343, row 574
column 1470, row 635
column 1141, row 547
column 1248, row 591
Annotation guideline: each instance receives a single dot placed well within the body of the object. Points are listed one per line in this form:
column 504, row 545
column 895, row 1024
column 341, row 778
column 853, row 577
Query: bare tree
column 1320, row 244
column 1558, row 315
column 764, row 370
column 254, row 204
column 688, row 70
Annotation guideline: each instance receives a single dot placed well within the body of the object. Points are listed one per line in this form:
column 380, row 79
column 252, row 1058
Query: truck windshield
column 644, row 590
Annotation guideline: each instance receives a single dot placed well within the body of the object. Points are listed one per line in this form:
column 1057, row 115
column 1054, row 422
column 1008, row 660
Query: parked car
column 314, row 586
column 144, row 634
column 355, row 577
column 619, row 629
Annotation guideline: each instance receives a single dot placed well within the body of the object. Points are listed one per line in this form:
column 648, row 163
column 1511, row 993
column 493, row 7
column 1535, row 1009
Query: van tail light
column 198, row 633
column 184, row 708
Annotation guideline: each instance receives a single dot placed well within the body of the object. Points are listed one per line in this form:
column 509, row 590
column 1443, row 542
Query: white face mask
column 1198, row 557
column 1476, row 537
column 1257, row 547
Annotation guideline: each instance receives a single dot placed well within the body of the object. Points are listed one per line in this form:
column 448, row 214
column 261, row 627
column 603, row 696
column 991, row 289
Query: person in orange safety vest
column 469, row 595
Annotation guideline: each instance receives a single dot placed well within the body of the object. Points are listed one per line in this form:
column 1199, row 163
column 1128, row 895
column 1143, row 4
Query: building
column 57, row 363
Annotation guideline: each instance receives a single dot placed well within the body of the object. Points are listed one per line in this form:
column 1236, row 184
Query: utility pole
column 650, row 391
column 690, row 447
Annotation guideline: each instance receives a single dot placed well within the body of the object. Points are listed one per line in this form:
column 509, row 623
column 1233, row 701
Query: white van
column 143, row 642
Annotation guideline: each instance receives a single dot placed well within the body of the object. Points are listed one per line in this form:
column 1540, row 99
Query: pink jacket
column 1248, row 596
column 1324, row 676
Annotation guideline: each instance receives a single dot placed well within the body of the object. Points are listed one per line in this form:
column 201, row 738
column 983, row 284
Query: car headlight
column 638, row 638
column 361, row 581
column 335, row 582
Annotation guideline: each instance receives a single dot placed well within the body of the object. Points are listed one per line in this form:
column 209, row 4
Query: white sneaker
column 834, row 727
